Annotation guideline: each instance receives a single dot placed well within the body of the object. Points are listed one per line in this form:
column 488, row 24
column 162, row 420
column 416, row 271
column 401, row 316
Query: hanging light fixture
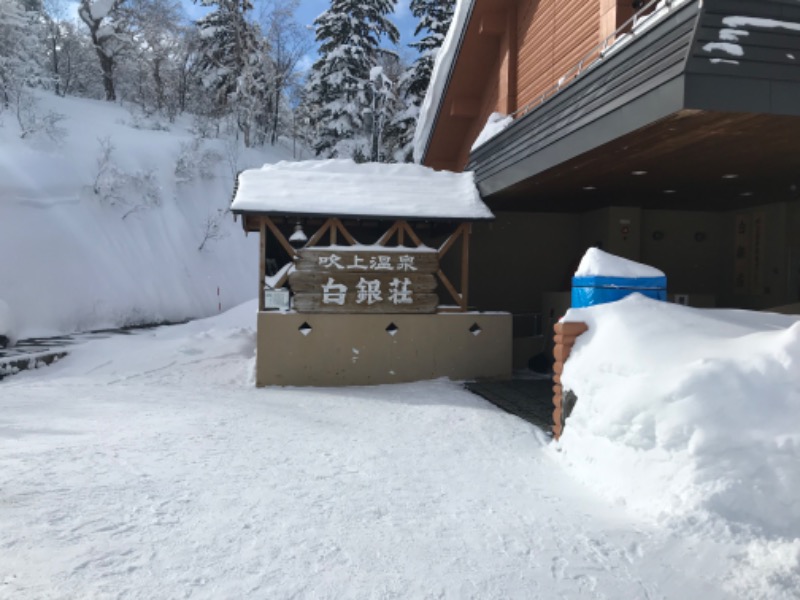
column 298, row 238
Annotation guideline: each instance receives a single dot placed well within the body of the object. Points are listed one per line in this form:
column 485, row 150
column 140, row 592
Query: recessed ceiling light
column 746, row 194
column 669, row 191
column 589, row 188
column 730, row 176
column 638, row 173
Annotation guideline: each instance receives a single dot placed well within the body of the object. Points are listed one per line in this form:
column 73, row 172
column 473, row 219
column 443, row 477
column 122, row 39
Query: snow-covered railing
column 636, row 25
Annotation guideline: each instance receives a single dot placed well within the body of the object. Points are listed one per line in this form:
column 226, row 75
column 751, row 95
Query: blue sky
column 306, row 13
column 311, row 9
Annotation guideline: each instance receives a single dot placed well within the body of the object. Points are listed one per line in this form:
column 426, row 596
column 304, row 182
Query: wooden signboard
column 365, row 280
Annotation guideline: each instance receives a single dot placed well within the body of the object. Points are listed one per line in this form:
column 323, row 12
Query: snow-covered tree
column 108, row 29
column 340, row 89
column 20, row 60
column 288, row 43
column 434, row 17
column 155, row 30
column 233, row 64
column 227, row 40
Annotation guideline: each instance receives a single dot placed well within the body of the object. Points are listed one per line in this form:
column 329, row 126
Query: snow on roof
column 346, row 188
column 495, row 124
column 596, row 263
column 445, row 60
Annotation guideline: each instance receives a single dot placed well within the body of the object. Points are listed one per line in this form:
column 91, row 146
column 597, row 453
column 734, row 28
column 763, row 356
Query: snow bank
column 73, row 260
column 344, row 187
column 596, row 263
column 689, row 415
column 496, row 123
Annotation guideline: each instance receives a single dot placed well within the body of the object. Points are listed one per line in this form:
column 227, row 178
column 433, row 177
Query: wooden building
column 364, row 275
column 668, row 134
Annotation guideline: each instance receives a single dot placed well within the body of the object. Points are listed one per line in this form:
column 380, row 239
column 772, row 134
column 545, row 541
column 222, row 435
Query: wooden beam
column 262, row 265
column 340, row 226
column 465, row 108
column 281, row 239
column 282, row 281
column 450, row 288
column 320, row 232
column 412, row 234
column 384, row 239
column 493, row 24
column 445, row 248
column 465, row 264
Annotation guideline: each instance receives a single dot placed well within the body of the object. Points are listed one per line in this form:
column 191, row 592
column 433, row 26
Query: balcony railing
column 641, row 21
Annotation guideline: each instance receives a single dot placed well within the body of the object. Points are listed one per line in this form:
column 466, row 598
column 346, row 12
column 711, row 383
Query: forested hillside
column 122, row 131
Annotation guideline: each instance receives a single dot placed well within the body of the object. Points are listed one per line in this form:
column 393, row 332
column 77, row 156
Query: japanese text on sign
column 369, row 292
column 402, row 263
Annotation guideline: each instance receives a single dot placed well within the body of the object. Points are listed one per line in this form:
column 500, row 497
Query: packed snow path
column 148, row 466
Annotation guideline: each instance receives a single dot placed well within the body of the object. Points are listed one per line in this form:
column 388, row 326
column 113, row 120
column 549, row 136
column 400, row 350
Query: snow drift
column 683, row 411
column 688, row 418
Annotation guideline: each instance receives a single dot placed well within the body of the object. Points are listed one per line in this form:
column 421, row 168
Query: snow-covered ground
column 88, row 242
column 148, row 466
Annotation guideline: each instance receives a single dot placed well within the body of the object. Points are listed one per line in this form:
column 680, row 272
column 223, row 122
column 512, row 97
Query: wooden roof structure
column 403, row 208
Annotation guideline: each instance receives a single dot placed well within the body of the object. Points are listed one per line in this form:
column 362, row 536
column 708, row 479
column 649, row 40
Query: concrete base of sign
column 341, row 350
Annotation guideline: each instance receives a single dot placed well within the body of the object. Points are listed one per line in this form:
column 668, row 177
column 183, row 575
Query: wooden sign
column 368, row 280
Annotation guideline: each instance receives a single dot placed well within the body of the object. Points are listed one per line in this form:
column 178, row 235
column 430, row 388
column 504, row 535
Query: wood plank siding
column 686, row 101
column 510, row 54
column 641, row 71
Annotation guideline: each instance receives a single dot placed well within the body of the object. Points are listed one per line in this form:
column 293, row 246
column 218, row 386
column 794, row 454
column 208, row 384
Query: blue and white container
column 603, row 278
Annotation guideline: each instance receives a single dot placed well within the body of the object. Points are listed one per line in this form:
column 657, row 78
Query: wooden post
column 565, row 335
column 465, row 266
column 262, row 264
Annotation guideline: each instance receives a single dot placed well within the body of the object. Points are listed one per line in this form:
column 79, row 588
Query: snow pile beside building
column 596, row 263
column 495, row 124
column 104, row 227
column 690, row 416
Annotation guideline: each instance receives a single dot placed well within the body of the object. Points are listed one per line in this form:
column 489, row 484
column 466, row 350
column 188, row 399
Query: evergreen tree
column 341, row 91
column 233, row 64
column 226, row 42
column 434, row 17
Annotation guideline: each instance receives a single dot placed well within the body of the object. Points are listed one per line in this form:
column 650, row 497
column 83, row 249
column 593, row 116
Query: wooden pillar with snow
column 364, row 275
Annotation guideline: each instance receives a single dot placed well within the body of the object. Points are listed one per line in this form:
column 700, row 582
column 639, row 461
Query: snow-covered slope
column 87, row 242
